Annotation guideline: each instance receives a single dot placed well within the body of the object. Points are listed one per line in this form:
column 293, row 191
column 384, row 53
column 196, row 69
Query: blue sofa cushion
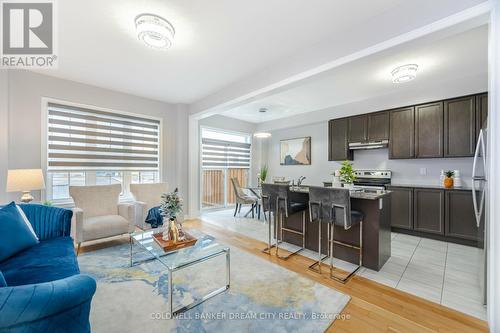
column 49, row 260
column 15, row 235
column 3, row 283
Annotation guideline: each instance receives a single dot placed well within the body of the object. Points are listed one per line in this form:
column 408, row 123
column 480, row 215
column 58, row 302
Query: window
column 94, row 147
column 224, row 156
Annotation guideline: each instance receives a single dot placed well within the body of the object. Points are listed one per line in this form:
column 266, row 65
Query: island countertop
column 356, row 194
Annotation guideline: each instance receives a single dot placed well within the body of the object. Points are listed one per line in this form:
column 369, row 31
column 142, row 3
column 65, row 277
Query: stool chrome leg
column 303, row 233
column 360, row 248
column 320, row 258
column 272, row 222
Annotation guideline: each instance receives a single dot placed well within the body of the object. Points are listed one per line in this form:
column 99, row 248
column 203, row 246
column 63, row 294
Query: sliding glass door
column 225, row 156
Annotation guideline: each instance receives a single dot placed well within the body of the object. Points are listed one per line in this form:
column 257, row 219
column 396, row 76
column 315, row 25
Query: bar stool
column 268, row 197
column 284, row 207
column 333, row 207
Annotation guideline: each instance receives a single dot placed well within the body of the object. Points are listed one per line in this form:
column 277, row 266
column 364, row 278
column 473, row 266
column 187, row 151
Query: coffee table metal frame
column 138, row 237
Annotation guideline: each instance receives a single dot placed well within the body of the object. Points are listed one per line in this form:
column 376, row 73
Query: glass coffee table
column 206, row 248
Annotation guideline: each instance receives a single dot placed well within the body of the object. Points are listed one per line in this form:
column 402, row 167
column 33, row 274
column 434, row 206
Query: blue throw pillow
column 15, row 235
column 3, row 283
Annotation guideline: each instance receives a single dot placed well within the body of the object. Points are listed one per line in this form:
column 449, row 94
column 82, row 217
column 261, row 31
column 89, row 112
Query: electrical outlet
column 423, row 171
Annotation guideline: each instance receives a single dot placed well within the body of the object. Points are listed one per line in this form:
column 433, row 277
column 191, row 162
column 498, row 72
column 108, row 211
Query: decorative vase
column 448, row 182
column 349, row 186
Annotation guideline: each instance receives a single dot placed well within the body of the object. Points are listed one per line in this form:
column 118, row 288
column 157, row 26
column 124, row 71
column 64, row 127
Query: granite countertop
column 434, row 187
column 354, row 194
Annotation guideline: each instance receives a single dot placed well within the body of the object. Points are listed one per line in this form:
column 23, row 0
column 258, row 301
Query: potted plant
column 448, row 180
column 262, row 175
column 170, row 207
column 347, row 175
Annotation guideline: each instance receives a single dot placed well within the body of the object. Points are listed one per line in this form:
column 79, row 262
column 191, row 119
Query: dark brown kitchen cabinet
column 428, row 210
column 358, row 128
column 402, row 133
column 460, row 219
column 460, row 127
column 401, row 207
column 338, row 146
column 378, row 126
column 429, row 130
column 481, row 112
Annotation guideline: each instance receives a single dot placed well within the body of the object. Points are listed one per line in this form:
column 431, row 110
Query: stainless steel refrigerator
column 480, row 201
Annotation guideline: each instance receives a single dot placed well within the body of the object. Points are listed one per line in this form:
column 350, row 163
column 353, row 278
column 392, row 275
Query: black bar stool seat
column 296, row 207
column 356, row 217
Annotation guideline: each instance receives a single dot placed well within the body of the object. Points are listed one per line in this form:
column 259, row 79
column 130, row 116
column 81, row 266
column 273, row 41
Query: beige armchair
column 98, row 214
column 146, row 197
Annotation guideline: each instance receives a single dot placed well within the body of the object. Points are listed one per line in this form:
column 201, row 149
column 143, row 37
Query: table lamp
column 25, row 180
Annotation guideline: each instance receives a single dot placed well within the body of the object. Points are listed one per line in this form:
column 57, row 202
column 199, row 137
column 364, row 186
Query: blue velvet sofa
column 45, row 291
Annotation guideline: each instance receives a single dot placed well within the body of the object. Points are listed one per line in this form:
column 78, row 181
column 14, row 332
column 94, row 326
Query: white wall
column 404, row 171
column 4, row 113
column 25, row 91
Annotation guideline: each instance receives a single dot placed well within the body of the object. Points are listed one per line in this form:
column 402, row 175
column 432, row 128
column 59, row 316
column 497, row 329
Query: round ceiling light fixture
column 404, row 73
column 154, row 31
column 262, row 135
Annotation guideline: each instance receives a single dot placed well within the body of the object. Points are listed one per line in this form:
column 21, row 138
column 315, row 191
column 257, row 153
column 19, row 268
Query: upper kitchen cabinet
column 338, row 145
column 481, row 112
column 378, row 126
column 429, row 133
column 402, row 133
column 460, row 127
column 358, row 128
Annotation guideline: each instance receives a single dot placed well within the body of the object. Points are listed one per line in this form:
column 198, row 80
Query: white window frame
column 127, row 179
column 200, row 171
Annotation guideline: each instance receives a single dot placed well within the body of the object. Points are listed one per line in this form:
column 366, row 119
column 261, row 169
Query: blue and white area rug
column 263, row 297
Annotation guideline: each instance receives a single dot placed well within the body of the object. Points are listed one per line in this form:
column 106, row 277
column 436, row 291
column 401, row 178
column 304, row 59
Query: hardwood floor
column 373, row 306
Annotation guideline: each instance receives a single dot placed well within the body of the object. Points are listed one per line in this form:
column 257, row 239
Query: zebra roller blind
column 81, row 139
column 225, row 154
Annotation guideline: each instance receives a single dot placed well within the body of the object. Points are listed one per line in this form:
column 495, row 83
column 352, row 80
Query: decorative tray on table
column 170, row 246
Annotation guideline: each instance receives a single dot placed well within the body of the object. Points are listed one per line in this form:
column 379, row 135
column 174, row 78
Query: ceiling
column 217, row 43
column 454, row 57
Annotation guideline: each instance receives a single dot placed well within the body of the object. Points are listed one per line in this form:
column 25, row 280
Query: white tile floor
column 441, row 272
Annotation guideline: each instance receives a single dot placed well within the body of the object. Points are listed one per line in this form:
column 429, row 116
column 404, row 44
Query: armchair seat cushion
column 49, row 260
column 104, row 226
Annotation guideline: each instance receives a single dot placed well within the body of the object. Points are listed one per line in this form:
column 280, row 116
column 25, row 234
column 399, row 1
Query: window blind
column 225, row 154
column 81, row 139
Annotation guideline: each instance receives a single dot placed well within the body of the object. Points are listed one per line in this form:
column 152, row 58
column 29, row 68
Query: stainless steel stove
column 372, row 179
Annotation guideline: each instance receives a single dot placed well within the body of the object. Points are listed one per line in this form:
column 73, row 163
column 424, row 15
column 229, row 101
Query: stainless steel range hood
column 369, row 145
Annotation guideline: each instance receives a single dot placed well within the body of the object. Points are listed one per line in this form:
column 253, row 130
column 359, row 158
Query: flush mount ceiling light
column 154, row 31
column 404, row 73
column 262, row 135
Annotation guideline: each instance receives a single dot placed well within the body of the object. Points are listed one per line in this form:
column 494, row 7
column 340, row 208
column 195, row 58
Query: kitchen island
column 376, row 207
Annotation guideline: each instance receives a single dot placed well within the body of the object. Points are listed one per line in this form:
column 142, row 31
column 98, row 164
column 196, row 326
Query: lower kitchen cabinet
column 443, row 214
column 401, row 207
column 428, row 212
column 459, row 212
